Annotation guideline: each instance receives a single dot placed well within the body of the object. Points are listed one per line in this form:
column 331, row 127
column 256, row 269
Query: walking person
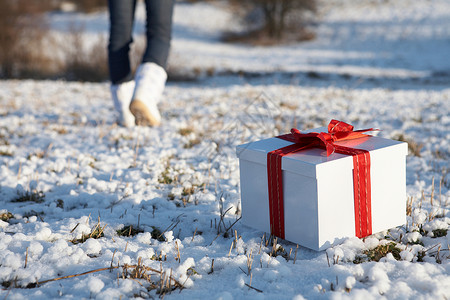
column 136, row 97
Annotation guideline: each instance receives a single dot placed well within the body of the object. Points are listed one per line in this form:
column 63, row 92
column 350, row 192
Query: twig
column 139, row 221
column 212, row 267
column 178, row 252
column 243, row 271
column 76, row 275
column 295, row 257
column 258, row 290
column 74, row 228
column 112, row 259
column 432, row 247
column 231, row 247
column 194, row 234
column 171, row 226
column 225, row 230
column 26, row 259
column 101, row 231
column 260, row 245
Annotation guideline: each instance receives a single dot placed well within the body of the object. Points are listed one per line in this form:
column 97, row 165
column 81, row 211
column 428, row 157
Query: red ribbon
column 337, row 131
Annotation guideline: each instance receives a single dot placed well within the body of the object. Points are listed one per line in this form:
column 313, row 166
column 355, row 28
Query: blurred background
column 63, row 39
column 54, row 39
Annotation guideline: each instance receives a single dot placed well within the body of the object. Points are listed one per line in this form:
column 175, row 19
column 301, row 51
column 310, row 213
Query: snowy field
column 72, row 182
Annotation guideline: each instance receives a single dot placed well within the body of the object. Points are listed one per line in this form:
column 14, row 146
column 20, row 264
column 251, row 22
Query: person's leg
column 121, row 15
column 159, row 31
column 151, row 75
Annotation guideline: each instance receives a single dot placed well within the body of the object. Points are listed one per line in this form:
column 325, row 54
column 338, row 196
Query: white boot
column 150, row 82
column 121, row 95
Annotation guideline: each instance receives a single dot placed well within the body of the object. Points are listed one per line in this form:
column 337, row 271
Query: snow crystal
column 419, row 216
column 13, row 260
column 59, row 246
column 146, row 254
column 44, row 234
column 144, row 238
column 3, row 224
column 32, row 219
column 350, row 282
column 412, row 237
column 380, row 279
column 95, row 285
column 125, row 259
column 240, row 280
column 92, row 246
column 407, row 255
column 271, row 275
column 4, row 240
column 371, row 242
column 224, row 296
column 435, row 224
column 169, row 236
column 112, row 293
column 35, row 249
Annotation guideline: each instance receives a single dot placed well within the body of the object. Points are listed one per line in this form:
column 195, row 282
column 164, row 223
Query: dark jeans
column 158, row 29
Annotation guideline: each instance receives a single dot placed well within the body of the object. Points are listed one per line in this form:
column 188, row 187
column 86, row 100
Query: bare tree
column 279, row 18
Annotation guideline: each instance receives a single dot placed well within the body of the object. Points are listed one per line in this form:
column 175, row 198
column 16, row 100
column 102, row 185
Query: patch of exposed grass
column 6, row 153
column 166, row 177
column 159, row 257
column 6, row 216
column 96, row 233
column 378, row 253
column 157, row 234
column 34, row 213
column 186, row 131
column 27, row 196
column 188, row 191
column 160, row 281
column 129, row 230
column 381, row 251
column 192, row 143
column 3, row 140
column 439, row 233
column 413, row 147
column 60, row 203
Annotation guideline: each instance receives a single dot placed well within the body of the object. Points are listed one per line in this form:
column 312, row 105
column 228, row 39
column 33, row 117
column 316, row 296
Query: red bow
column 337, row 131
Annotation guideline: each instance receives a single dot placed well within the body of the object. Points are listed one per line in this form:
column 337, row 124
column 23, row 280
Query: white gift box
column 318, row 190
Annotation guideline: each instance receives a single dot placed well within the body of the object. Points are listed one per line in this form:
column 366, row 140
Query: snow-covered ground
column 377, row 64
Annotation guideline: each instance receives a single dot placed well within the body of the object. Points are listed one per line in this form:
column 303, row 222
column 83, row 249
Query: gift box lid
column 308, row 161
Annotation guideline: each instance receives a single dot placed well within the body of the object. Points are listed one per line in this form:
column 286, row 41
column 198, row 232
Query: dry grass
column 6, row 216
column 381, row 251
column 27, row 196
column 413, row 147
column 129, row 230
column 260, row 37
column 96, row 233
column 22, row 43
column 378, row 253
column 6, row 153
column 161, row 281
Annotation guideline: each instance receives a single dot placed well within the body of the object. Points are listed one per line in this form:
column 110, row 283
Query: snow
column 377, row 64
